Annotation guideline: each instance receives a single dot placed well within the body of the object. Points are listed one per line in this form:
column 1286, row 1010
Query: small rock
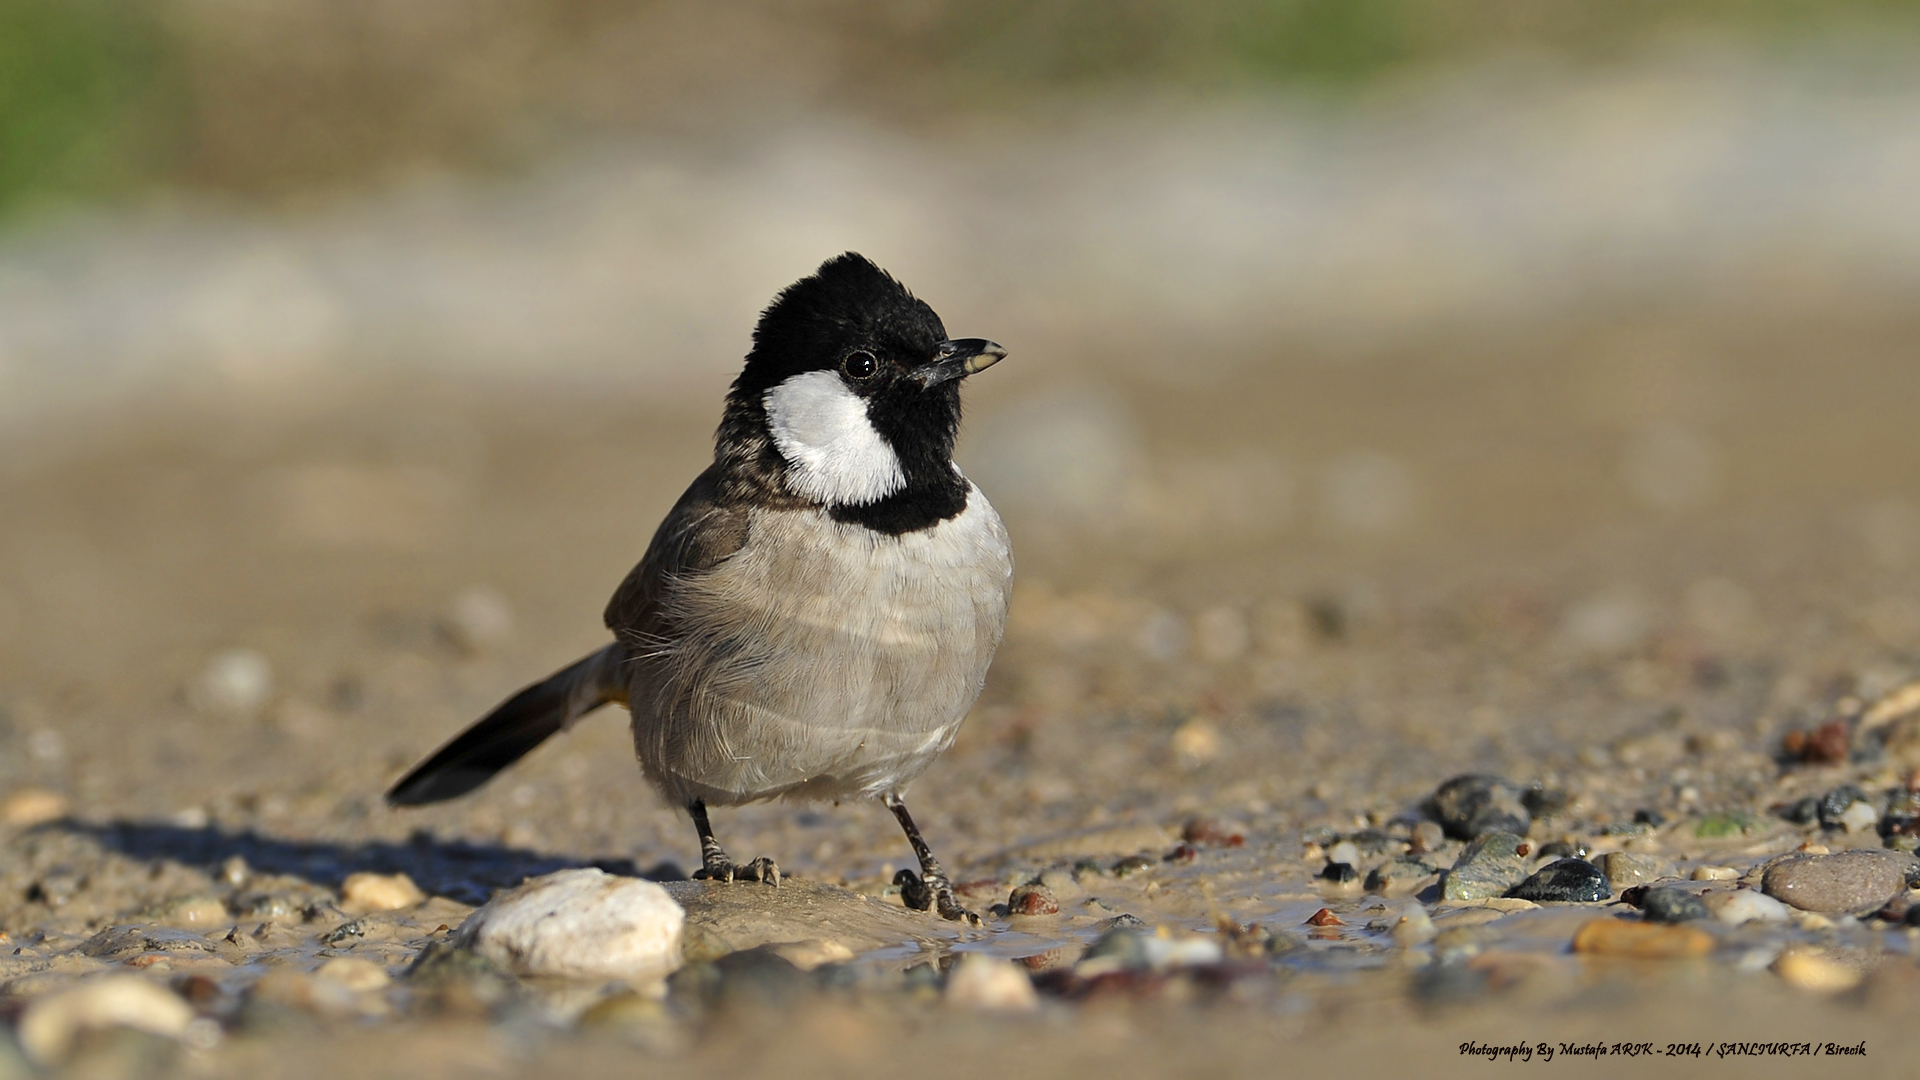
column 1813, row 971
column 1837, row 807
column 1824, row 745
column 1671, row 905
column 1715, row 873
column 580, row 924
column 1489, row 867
column 1339, row 873
column 479, row 619
column 1195, row 743
column 1345, row 851
column 31, row 806
column 236, row 683
column 1399, row 875
column 1849, row 881
column 51, row 1024
column 1134, row 948
column 1563, row 849
column 354, row 973
column 990, row 985
column 1471, row 806
column 1032, row 900
column 1427, row 837
column 1131, row 865
column 1624, row 870
column 115, row 942
column 1325, row 917
column 816, row 953
column 1737, row 907
column 1645, row 941
column 198, row 911
column 1859, row 818
column 364, row 892
column 1574, row 881
column 1214, row 832
column 1414, row 927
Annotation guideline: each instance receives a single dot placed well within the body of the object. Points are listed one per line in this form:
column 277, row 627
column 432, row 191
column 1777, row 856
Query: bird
column 816, row 614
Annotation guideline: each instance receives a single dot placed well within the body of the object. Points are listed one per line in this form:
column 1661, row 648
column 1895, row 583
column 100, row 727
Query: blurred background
column 349, row 353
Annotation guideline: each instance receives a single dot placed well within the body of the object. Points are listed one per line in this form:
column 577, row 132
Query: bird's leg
column 933, row 889
column 714, row 864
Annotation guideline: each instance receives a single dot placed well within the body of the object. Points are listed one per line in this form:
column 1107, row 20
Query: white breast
column 833, row 452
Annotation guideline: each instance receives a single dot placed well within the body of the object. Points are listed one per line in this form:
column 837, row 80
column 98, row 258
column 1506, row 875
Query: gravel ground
column 1647, row 578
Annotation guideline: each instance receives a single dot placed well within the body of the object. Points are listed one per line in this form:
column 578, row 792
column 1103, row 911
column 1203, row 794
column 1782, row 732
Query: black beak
column 958, row 359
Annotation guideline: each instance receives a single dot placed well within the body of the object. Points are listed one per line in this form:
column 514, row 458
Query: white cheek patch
column 833, row 452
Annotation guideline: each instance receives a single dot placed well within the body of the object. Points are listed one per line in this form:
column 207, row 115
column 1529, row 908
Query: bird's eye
column 860, row 365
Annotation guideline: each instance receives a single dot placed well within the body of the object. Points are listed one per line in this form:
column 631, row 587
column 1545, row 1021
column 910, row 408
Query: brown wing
column 698, row 534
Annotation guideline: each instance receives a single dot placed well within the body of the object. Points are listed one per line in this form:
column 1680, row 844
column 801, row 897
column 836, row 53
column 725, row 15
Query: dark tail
column 519, row 724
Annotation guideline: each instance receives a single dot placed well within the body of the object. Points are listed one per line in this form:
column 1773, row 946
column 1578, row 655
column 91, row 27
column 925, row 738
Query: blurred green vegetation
column 87, row 100
column 100, row 98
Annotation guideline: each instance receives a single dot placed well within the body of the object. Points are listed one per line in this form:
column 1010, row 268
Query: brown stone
column 1617, row 937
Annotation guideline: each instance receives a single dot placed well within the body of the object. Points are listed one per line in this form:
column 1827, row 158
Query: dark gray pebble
column 1471, row 806
column 1340, row 873
column 1670, row 905
column 1835, row 803
column 1398, row 873
column 1574, row 881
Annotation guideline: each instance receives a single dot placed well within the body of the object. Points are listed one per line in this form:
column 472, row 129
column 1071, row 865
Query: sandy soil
column 1617, row 556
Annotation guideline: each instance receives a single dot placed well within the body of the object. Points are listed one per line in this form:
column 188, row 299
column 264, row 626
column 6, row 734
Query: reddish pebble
column 1824, row 745
column 1213, row 832
column 1183, row 853
column 1032, row 900
column 1325, row 917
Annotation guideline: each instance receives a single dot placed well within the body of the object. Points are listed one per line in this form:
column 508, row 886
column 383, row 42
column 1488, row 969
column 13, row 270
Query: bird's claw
column 932, row 894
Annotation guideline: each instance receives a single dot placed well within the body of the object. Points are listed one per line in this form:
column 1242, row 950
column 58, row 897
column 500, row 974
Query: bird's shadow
column 458, row 869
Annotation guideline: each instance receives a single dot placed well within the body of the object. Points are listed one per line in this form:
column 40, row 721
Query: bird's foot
column 723, row 869
column 932, row 893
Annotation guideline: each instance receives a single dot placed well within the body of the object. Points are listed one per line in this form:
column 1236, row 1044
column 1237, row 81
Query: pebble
column 236, row 682
column 1032, row 900
column 1736, row 907
column 1715, row 873
column 1813, row 971
column 1671, row 905
column 1849, row 881
column 1415, row 927
column 1130, row 948
column 1489, row 867
column 1836, row 806
column 1400, row 874
column 581, row 924
column 479, row 619
column 51, row 1024
column 354, row 973
column 1624, row 870
column 989, row 985
column 1427, row 837
column 1346, row 851
column 1645, row 941
column 1574, row 881
column 29, row 806
column 364, row 892
column 1468, row 807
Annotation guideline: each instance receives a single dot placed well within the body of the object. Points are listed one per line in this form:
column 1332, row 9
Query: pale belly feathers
column 822, row 660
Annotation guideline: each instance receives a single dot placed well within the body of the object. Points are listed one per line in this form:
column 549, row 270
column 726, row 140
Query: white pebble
column 1715, row 873
column 580, row 924
column 985, row 983
column 1745, row 906
column 236, row 682
column 51, row 1024
column 479, row 619
column 1859, row 817
column 1344, row 852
